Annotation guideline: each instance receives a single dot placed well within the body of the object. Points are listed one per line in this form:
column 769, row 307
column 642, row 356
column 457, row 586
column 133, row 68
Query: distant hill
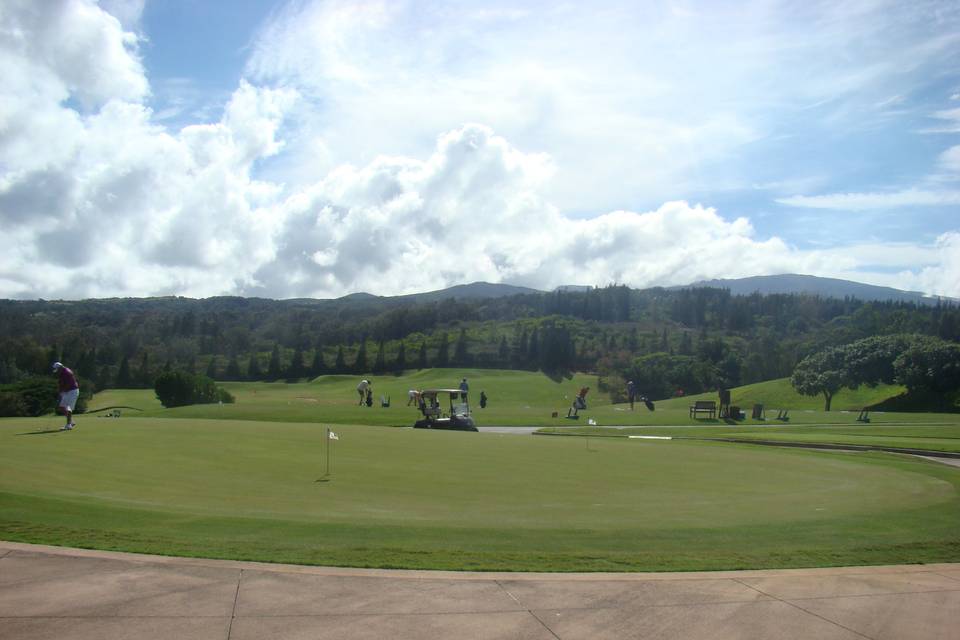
column 472, row 291
column 813, row 285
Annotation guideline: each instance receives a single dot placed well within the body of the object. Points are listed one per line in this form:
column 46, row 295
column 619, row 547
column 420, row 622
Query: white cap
column 57, row 365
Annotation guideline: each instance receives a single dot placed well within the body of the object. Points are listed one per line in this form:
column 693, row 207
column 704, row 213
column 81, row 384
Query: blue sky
column 315, row 148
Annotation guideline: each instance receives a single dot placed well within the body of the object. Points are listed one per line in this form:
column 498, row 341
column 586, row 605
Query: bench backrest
column 705, row 404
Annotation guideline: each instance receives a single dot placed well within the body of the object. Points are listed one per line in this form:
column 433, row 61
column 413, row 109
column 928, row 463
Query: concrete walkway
column 51, row 592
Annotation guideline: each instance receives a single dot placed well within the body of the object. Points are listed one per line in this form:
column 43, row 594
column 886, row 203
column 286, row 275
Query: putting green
column 403, row 497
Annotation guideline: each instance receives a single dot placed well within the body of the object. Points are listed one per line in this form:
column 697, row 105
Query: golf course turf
column 246, row 489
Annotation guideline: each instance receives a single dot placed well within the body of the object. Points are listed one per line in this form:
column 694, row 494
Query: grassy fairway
column 409, row 498
column 519, row 398
column 928, row 437
column 516, row 398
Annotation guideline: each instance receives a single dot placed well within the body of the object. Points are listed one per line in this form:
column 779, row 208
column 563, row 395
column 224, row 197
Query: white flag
column 333, row 436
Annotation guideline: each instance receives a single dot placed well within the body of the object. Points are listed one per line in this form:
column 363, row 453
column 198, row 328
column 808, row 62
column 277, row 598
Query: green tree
column 823, row 373
column 360, row 362
column 124, row 380
column 929, row 364
column 871, row 361
column 233, row 369
column 180, row 388
column 659, row 375
column 401, row 361
column 443, row 351
column 253, row 367
column 212, row 368
column 460, row 355
column 319, row 367
column 520, row 349
column 104, row 380
column 422, row 357
column 144, row 377
column 533, row 350
column 37, row 395
column 274, row 368
column 296, row 369
column 340, row 364
column 380, row 361
column 503, row 352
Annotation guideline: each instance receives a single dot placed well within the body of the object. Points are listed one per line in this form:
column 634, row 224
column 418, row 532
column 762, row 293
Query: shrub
column 12, row 405
column 179, row 388
column 35, row 396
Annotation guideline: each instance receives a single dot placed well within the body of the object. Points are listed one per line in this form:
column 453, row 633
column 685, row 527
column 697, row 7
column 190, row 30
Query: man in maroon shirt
column 69, row 392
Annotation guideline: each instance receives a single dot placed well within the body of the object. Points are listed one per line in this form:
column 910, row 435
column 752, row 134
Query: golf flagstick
column 330, row 436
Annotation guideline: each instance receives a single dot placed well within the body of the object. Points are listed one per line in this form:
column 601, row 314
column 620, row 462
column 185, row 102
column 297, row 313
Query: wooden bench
column 703, row 406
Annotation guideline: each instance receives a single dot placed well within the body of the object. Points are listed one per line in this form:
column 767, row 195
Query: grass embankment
column 519, row 398
column 423, row 499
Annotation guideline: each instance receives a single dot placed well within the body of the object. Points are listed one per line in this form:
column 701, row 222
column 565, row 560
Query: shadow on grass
column 39, row 433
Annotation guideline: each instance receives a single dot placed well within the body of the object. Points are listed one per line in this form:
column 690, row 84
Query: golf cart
column 457, row 418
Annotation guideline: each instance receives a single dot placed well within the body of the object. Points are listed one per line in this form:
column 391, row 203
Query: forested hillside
column 691, row 339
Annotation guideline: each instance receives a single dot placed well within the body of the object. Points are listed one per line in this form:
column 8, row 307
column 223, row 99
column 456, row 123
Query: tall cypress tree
column 443, row 351
column 103, row 380
column 233, row 369
column 212, row 368
column 533, row 349
column 340, row 365
column 253, row 368
column 319, row 367
column 295, row 370
column 422, row 358
column 360, row 363
column 144, row 375
column 520, row 355
column 460, row 355
column 123, row 374
column 401, row 362
column 274, row 370
column 380, row 363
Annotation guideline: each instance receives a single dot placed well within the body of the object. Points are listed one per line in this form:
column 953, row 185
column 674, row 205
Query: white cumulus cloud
column 99, row 198
column 875, row 200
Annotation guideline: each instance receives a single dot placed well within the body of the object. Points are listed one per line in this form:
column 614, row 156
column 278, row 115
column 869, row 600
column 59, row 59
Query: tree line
column 925, row 365
column 692, row 339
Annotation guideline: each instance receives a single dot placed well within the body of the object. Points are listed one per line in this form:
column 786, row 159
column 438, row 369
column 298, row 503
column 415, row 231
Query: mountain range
column 783, row 284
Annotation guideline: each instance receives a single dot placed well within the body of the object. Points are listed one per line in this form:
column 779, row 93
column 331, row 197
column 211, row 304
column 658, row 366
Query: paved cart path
column 52, row 592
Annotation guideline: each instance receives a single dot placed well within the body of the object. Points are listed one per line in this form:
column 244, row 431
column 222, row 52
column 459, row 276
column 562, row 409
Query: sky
column 316, row 148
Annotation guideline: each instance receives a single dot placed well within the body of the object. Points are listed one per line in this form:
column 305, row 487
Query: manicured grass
column 521, row 398
column 929, row 437
column 515, row 398
column 780, row 394
column 425, row 499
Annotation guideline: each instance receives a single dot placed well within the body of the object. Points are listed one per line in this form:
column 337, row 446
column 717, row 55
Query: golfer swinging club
column 69, row 392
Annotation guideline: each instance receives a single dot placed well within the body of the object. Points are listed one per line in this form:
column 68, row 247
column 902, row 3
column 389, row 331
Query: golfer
column 631, row 393
column 69, row 392
column 362, row 390
column 464, row 388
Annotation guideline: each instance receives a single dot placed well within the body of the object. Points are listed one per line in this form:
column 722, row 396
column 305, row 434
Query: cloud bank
column 99, row 199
